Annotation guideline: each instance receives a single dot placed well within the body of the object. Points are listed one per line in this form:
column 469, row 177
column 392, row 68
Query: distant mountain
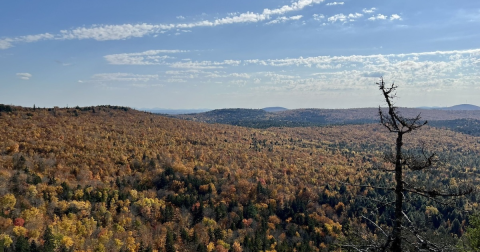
column 455, row 108
column 462, row 107
column 274, row 109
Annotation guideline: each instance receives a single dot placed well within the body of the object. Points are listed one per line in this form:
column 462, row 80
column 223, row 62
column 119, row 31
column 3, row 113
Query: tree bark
column 397, row 228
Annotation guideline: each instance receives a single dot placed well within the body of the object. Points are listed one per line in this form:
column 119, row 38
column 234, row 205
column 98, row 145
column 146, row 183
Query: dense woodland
column 261, row 119
column 111, row 178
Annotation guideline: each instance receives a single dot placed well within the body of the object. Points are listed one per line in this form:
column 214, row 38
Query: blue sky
column 251, row 54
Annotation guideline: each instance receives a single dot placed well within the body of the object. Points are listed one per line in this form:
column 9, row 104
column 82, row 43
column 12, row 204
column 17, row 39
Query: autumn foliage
column 114, row 179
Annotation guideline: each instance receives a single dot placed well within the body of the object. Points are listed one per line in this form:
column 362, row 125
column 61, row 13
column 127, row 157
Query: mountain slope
column 317, row 117
column 115, row 179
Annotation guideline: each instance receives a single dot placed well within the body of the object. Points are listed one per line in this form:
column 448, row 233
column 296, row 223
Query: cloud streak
column 428, row 71
column 123, row 77
column 24, row 76
column 334, row 3
column 127, row 31
column 151, row 57
column 285, row 19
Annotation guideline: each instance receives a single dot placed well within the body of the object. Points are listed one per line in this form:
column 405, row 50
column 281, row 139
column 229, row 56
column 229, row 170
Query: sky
column 211, row 54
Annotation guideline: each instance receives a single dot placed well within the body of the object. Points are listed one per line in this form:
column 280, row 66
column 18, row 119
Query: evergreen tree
column 169, row 244
column 34, row 247
column 21, row 245
column 201, row 248
column 49, row 241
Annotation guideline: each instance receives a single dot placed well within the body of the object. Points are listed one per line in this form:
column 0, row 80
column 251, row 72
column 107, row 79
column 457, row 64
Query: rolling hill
column 317, row 117
column 110, row 178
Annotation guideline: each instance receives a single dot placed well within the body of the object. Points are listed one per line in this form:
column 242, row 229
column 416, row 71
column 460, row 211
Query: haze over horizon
column 245, row 54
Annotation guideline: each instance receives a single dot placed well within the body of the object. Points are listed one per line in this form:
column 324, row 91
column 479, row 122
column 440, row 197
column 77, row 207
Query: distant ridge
column 462, row 107
column 274, row 109
column 454, row 108
column 260, row 118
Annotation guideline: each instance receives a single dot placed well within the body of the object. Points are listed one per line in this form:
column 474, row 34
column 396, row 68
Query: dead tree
column 403, row 230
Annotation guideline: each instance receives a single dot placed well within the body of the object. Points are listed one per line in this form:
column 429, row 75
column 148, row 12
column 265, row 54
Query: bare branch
column 435, row 193
column 375, row 224
column 370, row 186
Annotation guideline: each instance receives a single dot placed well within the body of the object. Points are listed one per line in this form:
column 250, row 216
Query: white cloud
column 35, row 38
column 127, row 31
column 111, row 32
column 343, row 18
column 150, row 57
column 295, row 6
column 284, row 19
column 338, row 17
column 318, row 17
column 335, row 3
column 205, row 64
column 333, row 61
column 395, row 17
column 425, row 71
column 354, row 16
column 123, row 77
column 176, row 80
column 5, row 44
column 24, row 76
column 240, row 75
column 180, row 17
column 422, row 70
column 297, row 17
column 378, row 17
column 369, row 11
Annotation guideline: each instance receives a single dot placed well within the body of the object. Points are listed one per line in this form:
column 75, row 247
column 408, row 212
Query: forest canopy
column 111, row 178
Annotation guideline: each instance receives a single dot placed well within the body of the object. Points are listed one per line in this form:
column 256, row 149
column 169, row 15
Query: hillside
column 115, row 179
column 316, row 117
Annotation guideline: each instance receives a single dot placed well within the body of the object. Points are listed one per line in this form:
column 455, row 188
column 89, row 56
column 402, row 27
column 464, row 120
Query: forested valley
column 111, row 178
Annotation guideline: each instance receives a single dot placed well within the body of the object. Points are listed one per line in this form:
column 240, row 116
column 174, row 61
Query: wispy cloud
column 320, row 61
column 426, row 71
column 318, row 17
column 5, row 43
column 24, row 76
column 111, row 32
column 284, row 19
column 338, row 17
column 334, row 3
column 344, row 18
column 123, row 77
column 378, row 17
column 63, row 63
column 205, row 64
column 383, row 17
column 151, row 57
column 439, row 69
column 369, row 11
column 8, row 42
column 127, row 31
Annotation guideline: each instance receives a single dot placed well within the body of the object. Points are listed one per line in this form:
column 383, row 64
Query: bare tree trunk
column 411, row 239
column 397, row 228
